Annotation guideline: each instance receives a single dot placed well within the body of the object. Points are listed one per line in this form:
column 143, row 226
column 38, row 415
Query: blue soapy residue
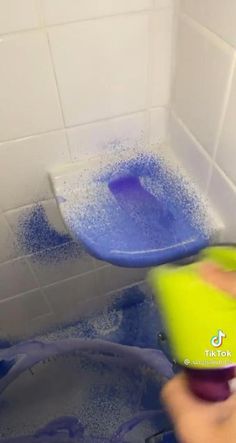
column 37, row 236
column 149, row 215
column 134, row 386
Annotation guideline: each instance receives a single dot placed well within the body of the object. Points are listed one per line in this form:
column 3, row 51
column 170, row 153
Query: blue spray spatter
column 137, row 213
column 35, row 232
column 37, row 236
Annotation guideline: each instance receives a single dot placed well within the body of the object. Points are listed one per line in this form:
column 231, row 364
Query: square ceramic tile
column 222, row 195
column 161, row 57
column 190, row 153
column 63, row 11
column 64, row 297
column 158, row 125
column 159, row 4
column 203, row 67
column 15, row 277
column 226, row 153
column 25, row 165
column 112, row 278
column 38, row 227
column 101, row 67
column 94, row 138
column 218, row 16
column 28, row 95
column 18, row 15
column 8, row 249
column 17, row 312
column 60, row 263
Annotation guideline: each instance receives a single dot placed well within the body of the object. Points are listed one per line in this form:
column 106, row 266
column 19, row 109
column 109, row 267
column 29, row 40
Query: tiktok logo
column 217, row 340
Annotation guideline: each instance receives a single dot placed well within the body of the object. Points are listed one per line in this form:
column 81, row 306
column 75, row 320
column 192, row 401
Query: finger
column 178, row 398
column 217, row 276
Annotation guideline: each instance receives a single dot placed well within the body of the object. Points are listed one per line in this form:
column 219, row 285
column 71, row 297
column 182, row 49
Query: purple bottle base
column 210, row 384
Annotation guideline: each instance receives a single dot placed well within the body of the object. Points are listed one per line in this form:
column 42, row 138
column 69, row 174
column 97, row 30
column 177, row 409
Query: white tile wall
column 203, row 122
column 160, row 60
column 18, row 15
column 15, row 277
column 27, row 161
column 63, row 11
column 226, row 154
column 158, row 125
column 28, row 96
column 111, row 278
column 64, row 297
column 203, row 67
column 100, row 76
column 68, row 90
column 17, row 313
column 93, row 138
column 7, row 241
column 191, row 154
column 64, row 262
column 218, row 16
column 222, row 194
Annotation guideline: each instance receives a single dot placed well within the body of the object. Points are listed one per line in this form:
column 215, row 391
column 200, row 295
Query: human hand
column 195, row 420
column 198, row 421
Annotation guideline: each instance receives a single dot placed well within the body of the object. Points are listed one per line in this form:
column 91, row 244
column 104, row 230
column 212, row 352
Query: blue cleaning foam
column 134, row 212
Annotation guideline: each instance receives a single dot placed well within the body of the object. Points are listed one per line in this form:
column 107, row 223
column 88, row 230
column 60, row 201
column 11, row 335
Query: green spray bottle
column 200, row 322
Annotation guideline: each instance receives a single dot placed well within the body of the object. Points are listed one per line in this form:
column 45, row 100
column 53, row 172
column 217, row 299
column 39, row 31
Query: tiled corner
column 222, row 195
column 226, row 153
column 18, row 15
column 161, row 23
column 15, row 278
column 38, row 227
column 7, row 242
column 62, row 11
column 101, row 67
column 159, row 118
column 17, row 312
column 94, row 138
column 60, row 263
column 25, row 165
column 204, row 64
column 111, row 278
column 190, row 153
column 64, row 297
column 218, row 16
column 29, row 101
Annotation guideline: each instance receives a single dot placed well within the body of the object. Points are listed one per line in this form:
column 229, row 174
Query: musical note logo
column 217, row 340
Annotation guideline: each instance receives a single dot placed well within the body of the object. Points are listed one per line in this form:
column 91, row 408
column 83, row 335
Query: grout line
column 224, row 106
column 20, row 294
column 206, row 31
column 226, row 178
column 44, row 26
column 192, row 136
column 77, row 125
column 56, row 80
column 149, row 72
column 90, row 272
column 39, row 285
column 102, row 17
column 222, row 118
column 29, row 206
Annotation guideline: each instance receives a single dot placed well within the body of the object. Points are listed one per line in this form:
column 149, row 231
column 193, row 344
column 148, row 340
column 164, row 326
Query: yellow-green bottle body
column 200, row 319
